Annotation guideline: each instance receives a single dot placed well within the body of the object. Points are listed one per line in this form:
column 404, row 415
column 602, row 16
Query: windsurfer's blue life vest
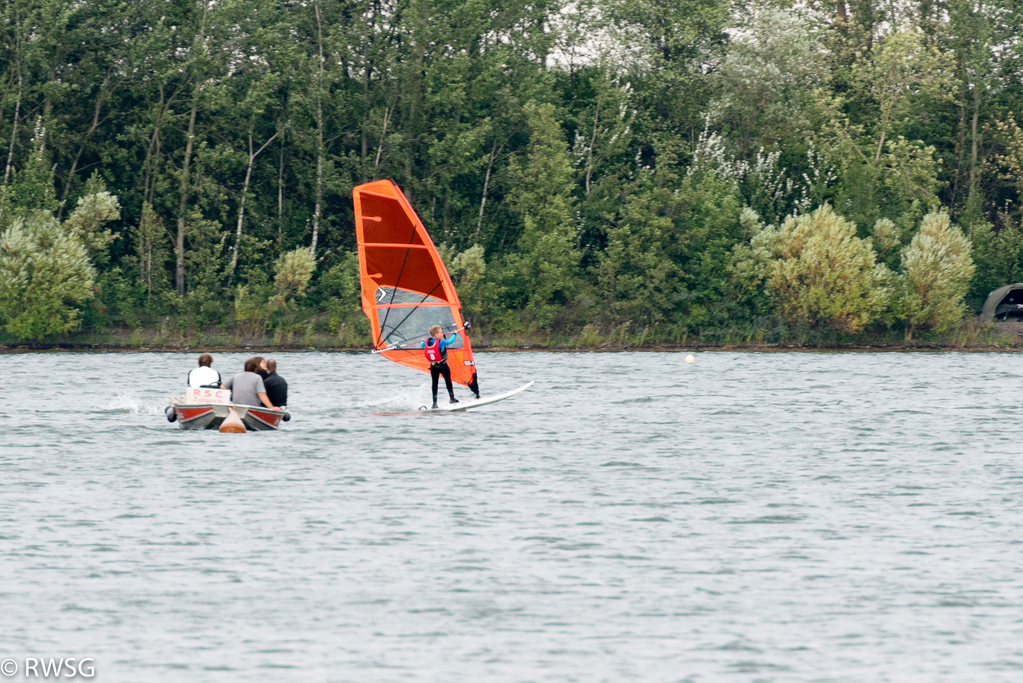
column 433, row 352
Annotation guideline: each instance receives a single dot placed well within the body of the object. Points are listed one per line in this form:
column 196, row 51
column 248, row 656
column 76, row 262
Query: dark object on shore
column 171, row 414
column 1003, row 303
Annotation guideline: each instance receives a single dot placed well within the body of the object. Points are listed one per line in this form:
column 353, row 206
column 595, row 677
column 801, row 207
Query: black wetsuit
column 438, row 369
column 441, row 367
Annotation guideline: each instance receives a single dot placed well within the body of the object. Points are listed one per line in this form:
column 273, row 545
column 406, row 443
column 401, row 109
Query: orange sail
column 405, row 287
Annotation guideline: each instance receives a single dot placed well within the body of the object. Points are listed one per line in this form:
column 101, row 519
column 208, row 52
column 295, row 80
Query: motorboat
column 208, row 408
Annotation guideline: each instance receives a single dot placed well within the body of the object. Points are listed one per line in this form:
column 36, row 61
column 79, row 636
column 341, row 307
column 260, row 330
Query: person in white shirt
column 204, row 376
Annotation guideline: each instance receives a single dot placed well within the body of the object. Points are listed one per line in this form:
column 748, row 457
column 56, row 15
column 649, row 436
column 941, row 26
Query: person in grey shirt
column 247, row 387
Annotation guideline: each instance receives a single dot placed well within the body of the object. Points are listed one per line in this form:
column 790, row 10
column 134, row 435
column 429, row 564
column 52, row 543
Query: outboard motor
column 172, row 415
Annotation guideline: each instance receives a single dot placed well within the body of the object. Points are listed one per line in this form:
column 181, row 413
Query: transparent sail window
column 406, row 326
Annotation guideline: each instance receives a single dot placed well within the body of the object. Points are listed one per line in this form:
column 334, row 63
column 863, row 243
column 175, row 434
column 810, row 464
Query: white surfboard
column 466, row 405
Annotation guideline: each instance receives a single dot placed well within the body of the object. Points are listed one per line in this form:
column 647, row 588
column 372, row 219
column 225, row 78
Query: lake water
column 747, row 517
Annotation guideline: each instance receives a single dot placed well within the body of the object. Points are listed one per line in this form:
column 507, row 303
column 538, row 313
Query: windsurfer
column 436, row 351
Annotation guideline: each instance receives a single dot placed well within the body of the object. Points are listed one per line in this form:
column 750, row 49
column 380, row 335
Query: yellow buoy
column 232, row 424
column 690, row 358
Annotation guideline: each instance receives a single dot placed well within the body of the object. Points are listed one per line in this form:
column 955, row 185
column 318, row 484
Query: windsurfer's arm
column 444, row 343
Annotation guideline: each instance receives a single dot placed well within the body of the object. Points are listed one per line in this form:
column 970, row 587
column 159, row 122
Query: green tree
column 670, row 42
column 668, row 247
column 292, row 273
column 637, row 277
column 676, row 113
column 749, row 265
column 982, row 39
column 541, row 273
column 31, row 186
column 87, row 221
column 604, row 134
column 1010, row 160
column 45, row 276
column 338, row 292
column 998, row 256
column 818, row 271
column 150, row 240
column 936, row 273
column 765, row 84
column 884, row 174
column 468, row 270
column 256, row 303
column 204, row 301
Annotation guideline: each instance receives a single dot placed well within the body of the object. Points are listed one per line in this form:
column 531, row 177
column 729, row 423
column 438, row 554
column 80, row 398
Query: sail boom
column 397, row 246
column 370, row 193
column 443, row 304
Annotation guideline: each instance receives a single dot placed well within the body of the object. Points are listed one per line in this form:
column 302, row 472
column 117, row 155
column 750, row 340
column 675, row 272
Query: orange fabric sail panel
column 405, row 286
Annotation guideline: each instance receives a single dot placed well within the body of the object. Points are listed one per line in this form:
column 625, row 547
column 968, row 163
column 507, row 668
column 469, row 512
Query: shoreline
column 971, row 336
column 78, row 347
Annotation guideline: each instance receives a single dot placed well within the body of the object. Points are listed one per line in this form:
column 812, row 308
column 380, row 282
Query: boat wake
column 128, row 403
column 403, row 401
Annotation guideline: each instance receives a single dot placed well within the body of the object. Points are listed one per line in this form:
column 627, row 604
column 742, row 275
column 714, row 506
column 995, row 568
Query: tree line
column 669, row 168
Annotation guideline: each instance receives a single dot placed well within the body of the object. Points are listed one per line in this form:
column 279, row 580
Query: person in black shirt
column 276, row 387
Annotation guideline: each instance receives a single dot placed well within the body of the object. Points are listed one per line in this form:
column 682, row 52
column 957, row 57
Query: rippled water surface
column 748, row 517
